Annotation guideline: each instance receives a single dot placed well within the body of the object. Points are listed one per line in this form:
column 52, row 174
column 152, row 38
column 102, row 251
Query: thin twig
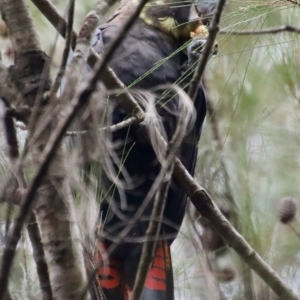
column 213, row 31
column 273, row 30
column 66, row 51
column 24, row 49
column 294, row 229
column 112, row 128
column 108, row 77
column 297, row 3
column 49, row 10
column 149, row 246
column 128, row 122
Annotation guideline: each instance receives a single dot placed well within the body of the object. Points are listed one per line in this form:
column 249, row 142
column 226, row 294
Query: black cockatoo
column 163, row 27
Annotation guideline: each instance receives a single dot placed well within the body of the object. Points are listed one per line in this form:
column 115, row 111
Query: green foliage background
column 253, row 84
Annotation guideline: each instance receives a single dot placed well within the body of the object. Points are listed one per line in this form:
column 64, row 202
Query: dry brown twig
column 273, row 30
column 126, row 123
column 212, row 34
column 294, row 2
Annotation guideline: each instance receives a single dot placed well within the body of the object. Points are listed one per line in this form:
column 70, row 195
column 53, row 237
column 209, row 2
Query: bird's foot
column 196, row 47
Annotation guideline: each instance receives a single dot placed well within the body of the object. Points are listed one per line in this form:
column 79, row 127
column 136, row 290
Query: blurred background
column 248, row 160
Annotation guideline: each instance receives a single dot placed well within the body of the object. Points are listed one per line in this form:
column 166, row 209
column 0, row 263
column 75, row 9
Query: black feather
column 144, row 46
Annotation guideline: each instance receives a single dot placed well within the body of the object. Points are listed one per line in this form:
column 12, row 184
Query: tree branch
column 59, row 23
column 273, row 30
column 292, row 1
column 102, row 7
column 150, row 245
column 17, row 19
column 66, row 51
column 126, row 123
column 108, row 77
column 212, row 34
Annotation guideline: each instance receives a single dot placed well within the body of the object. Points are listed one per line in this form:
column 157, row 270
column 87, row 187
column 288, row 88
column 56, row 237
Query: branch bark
column 273, row 30
column 212, row 34
column 294, row 2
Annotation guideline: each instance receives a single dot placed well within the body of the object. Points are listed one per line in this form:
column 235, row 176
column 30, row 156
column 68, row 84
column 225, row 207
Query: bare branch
column 112, row 128
column 49, row 10
column 211, row 212
column 108, row 77
column 213, row 31
column 273, row 30
column 26, row 51
column 128, row 122
column 294, row 2
column 66, row 51
column 27, row 80
column 51, row 13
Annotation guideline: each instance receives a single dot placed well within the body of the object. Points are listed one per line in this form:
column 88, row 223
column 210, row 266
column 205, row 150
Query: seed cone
column 287, row 209
column 226, row 274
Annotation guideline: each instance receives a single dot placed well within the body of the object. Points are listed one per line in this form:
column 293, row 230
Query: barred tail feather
column 159, row 282
column 109, row 275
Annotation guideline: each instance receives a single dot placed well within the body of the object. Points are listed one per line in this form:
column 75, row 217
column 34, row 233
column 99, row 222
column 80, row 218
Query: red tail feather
column 159, row 282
